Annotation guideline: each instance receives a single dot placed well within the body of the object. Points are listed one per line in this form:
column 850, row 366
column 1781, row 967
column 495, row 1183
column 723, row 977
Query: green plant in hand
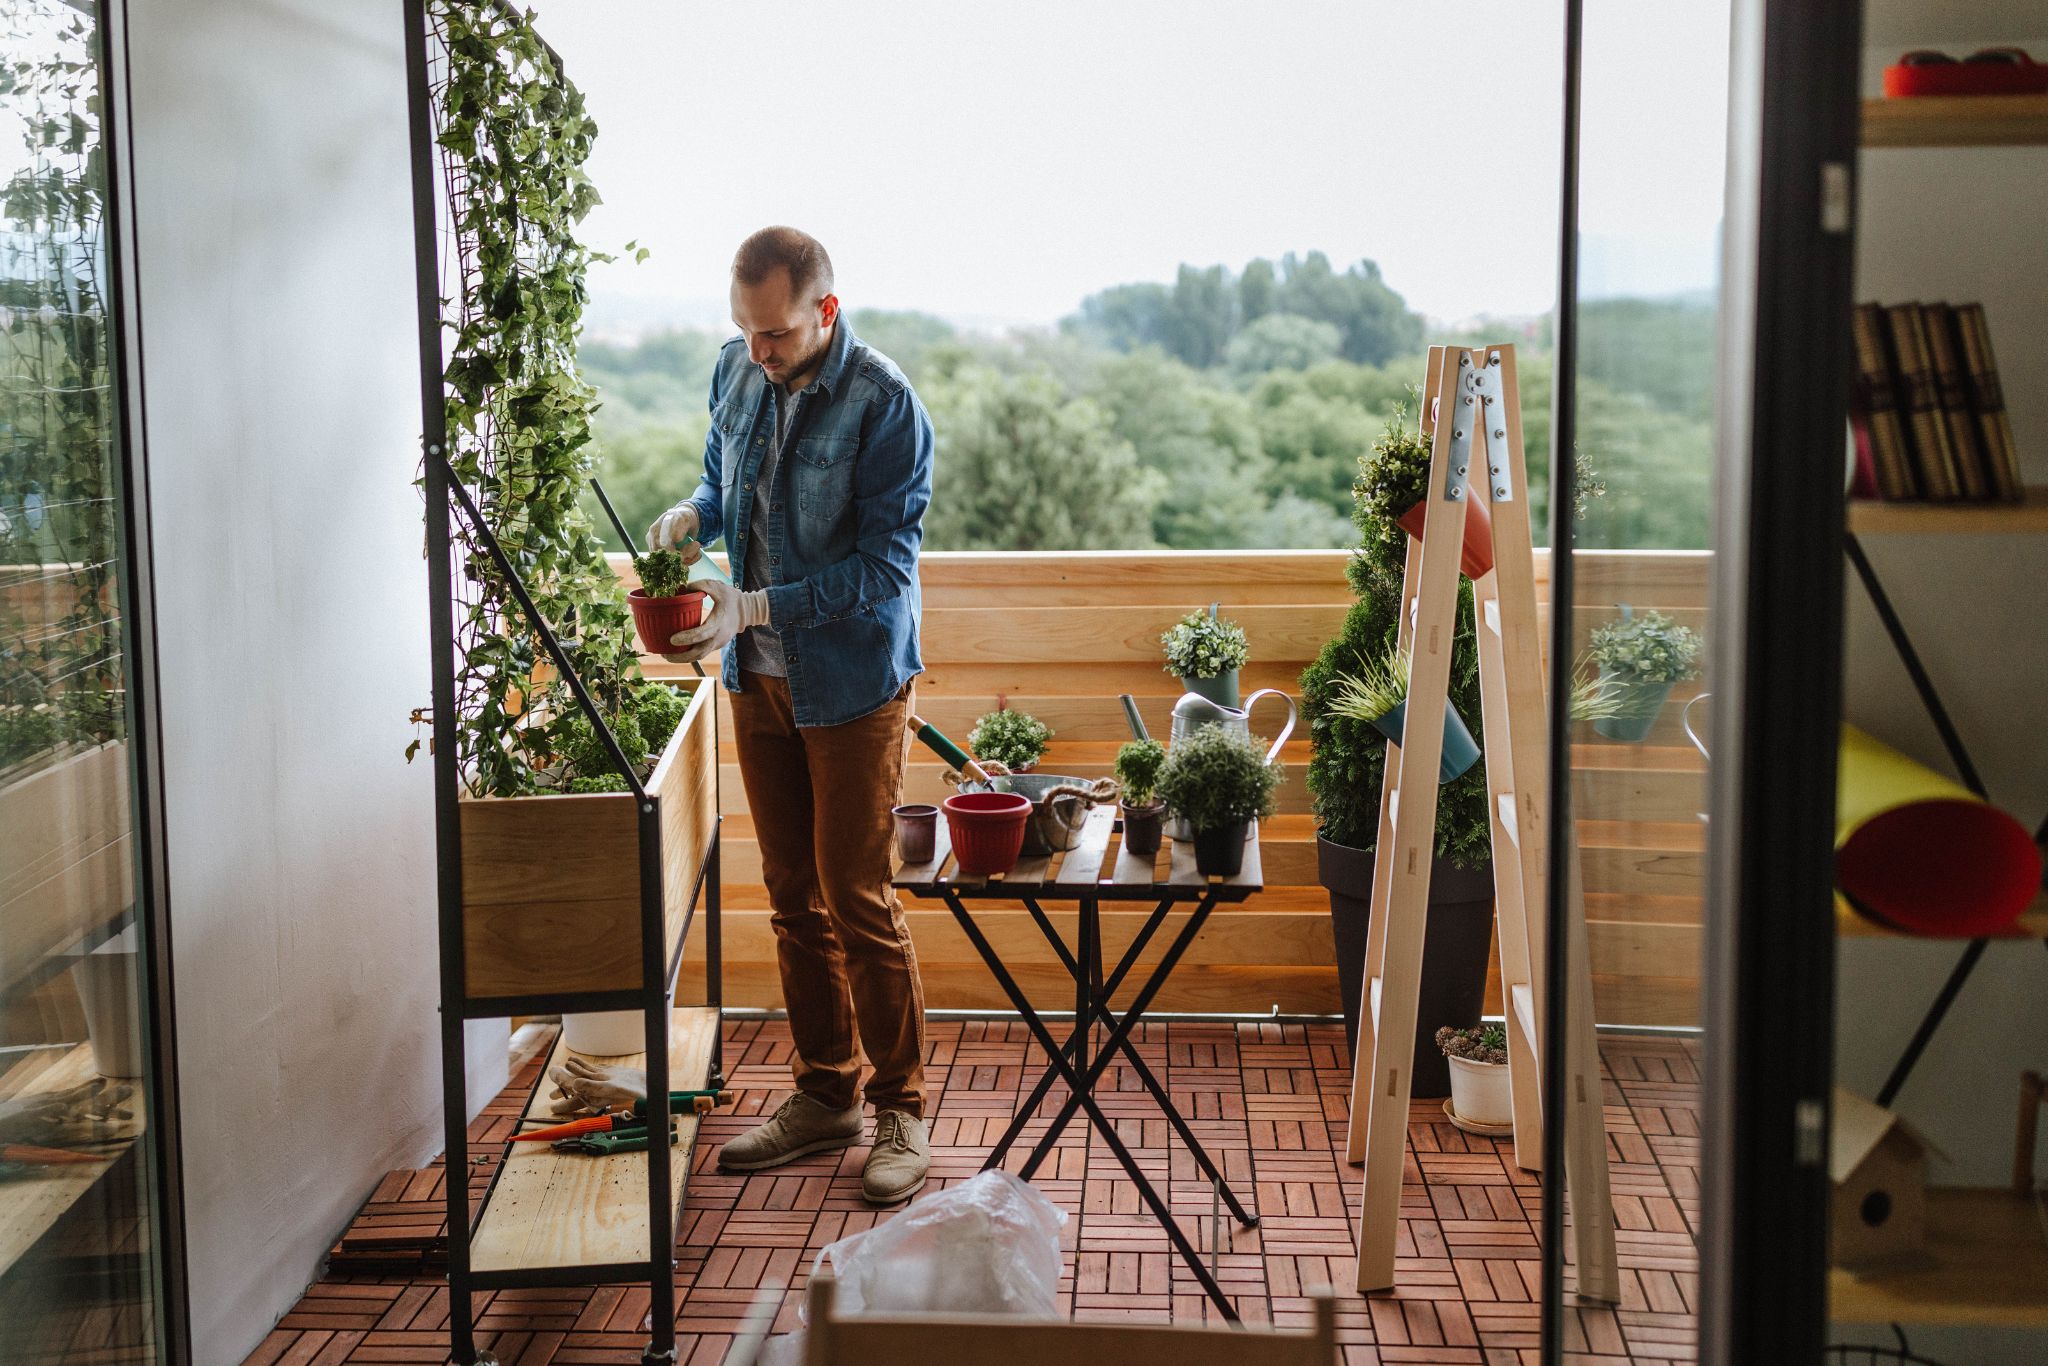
column 1014, row 739
column 1648, row 648
column 1138, row 765
column 1217, row 778
column 1487, row 1043
column 664, row 574
column 1201, row 646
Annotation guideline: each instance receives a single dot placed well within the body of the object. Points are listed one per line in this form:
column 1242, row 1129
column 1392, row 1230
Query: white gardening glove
column 727, row 612
column 676, row 530
column 79, row 1115
column 597, row 1088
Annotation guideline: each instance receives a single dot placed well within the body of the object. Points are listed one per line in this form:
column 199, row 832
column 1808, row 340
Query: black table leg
column 1084, row 1100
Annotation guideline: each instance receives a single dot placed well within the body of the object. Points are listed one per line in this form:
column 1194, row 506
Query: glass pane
column 1649, row 218
column 77, row 1272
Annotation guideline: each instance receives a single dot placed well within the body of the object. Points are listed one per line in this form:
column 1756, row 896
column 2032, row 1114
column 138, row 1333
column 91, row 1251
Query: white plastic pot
column 606, row 1033
column 1479, row 1092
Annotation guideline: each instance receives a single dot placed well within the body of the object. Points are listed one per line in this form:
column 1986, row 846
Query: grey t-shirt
column 760, row 647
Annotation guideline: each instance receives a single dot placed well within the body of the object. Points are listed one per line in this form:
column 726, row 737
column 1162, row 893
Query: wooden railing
column 1060, row 635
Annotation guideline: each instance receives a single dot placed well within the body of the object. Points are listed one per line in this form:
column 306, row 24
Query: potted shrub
column 1378, row 695
column 1346, row 759
column 662, row 604
column 1390, row 490
column 1138, row 764
column 1014, row 739
column 1640, row 659
column 1205, row 652
column 1478, row 1060
column 1218, row 781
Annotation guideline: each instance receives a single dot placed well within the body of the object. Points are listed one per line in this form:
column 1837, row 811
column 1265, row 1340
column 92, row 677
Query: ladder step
column 1374, row 994
column 1492, row 615
column 1506, row 806
column 1524, row 1000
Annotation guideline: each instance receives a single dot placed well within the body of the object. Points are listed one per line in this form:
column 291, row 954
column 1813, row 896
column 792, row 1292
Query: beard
column 808, row 361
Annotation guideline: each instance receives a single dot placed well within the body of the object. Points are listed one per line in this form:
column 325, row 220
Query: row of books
column 1928, row 414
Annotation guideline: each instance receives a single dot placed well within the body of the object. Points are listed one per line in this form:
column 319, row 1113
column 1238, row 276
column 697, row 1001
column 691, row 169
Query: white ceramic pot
column 606, row 1033
column 109, row 987
column 1479, row 1092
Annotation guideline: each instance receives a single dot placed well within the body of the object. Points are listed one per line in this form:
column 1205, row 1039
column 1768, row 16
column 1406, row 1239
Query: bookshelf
column 1957, row 121
column 2029, row 517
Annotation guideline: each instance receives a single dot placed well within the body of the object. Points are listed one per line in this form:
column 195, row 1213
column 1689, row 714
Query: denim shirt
column 846, row 518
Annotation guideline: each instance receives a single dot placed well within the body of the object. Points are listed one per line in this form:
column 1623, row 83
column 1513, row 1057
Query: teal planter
column 1461, row 751
column 1221, row 689
column 1641, row 704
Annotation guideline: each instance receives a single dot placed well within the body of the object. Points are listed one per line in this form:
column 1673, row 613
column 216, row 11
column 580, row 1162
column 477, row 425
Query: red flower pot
column 987, row 830
column 1477, row 557
column 658, row 619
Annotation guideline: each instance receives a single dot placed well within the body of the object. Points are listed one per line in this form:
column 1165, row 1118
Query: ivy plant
column 514, row 135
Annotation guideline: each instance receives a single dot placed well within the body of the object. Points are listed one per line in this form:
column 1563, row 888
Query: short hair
column 779, row 248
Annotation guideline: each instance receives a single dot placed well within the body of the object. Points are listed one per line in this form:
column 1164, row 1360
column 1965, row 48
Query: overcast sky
column 995, row 164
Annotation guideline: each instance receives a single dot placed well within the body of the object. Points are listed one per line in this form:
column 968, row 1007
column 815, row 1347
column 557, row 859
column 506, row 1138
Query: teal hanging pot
column 1461, row 751
column 1640, row 704
column 1218, row 688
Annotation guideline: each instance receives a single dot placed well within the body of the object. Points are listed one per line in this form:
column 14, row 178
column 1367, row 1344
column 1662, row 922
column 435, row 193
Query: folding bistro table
column 1076, row 876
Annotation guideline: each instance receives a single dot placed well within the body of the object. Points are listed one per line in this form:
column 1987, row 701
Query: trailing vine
column 60, row 645
column 514, row 136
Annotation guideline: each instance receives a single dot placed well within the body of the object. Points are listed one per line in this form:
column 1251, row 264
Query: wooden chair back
column 989, row 1340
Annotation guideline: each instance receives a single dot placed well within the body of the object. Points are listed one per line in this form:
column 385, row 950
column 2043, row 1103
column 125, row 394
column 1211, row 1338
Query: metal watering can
column 1194, row 711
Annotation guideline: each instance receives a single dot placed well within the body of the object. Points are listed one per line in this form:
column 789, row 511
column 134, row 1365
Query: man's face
column 786, row 336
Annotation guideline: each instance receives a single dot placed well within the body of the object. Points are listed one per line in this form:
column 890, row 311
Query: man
column 817, row 471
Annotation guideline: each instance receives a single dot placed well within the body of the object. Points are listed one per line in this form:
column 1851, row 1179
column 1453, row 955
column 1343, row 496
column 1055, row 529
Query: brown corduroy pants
column 820, row 798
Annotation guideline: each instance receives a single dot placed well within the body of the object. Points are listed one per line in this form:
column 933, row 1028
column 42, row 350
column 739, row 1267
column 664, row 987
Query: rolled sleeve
column 892, row 487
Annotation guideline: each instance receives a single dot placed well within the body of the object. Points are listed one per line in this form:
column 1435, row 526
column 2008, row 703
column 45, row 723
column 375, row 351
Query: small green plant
column 601, row 782
column 1646, row 648
column 1200, row 645
column 1390, row 481
column 659, row 710
column 1217, row 778
column 1487, row 1043
column 1594, row 698
column 1138, row 765
column 582, row 754
column 663, row 573
column 1379, row 686
column 1014, row 739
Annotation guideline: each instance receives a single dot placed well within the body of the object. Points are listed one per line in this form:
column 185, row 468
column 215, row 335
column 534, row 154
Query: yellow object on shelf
column 1919, row 852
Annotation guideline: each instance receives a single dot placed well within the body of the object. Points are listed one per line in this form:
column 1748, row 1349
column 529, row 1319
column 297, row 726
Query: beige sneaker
column 898, row 1161
column 801, row 1126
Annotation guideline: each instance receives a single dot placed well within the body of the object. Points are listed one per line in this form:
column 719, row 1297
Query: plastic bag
column 987, row 1246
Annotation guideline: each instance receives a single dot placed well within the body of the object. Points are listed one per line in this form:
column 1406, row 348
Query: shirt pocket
column 823, row 477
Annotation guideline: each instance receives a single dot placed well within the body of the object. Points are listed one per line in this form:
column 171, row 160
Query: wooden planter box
column 551, row 885
column 66, row 865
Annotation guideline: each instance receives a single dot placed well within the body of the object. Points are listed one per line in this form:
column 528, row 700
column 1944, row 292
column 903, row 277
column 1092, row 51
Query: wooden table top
column 1079, row 872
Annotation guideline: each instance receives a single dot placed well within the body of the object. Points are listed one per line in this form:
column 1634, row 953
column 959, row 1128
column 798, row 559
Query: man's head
column 783, row 304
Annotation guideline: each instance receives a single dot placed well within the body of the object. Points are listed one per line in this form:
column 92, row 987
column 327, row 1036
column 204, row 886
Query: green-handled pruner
column 604, row 1145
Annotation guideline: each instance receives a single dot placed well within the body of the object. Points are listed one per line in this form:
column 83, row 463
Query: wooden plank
column 1184, row 873
column 1081, row 865
column 1986, row 1265
column 1128, row 636
column 2028, row 517
column 1956, row 121
column 551, row 885
column 66, row 862
column 31, row 1206
column 553, row 1209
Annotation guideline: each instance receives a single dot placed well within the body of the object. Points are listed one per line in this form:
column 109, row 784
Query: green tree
column 1375, row 321
column 1020, row 467
column 1282, row 341
column 1199, row 438
column 1201, row 315
column 645, row 471
column 904, row 336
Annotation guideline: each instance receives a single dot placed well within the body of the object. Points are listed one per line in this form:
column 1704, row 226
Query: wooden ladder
column 1480, row 426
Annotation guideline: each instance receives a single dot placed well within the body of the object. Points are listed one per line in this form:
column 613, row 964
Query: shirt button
column 760, row 441
column 775, row 507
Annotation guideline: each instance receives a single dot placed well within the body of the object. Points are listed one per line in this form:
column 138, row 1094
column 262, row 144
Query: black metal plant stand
column 1966, row 769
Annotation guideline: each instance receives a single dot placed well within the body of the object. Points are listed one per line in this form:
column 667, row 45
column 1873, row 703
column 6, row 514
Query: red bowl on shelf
column 658, row 619
column 987, row 829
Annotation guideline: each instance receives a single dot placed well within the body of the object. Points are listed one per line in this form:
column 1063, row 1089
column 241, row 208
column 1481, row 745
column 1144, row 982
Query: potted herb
column 1346, row 759
column 1378, row 695
column 1014, row 739
column 662, row 604
column 1391, row 490
column 1205, row 652
column 1478, row 1060
column 1640, row 658
column 1138, row 765
column 1218, row 781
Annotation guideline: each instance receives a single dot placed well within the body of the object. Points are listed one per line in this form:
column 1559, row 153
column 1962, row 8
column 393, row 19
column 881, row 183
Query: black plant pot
column 1455, row 948
column 1220, row 853
column 1142, row 827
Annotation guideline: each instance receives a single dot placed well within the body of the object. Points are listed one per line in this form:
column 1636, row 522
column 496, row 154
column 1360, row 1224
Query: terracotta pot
column 987, row 830
column 1479, row 1092
column 1477, row 557
column 658, row 619
column 917, row 832
column 1142, row 827
column 1220, row 853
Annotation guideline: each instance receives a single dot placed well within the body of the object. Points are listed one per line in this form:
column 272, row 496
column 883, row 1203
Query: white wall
column 274, row 262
